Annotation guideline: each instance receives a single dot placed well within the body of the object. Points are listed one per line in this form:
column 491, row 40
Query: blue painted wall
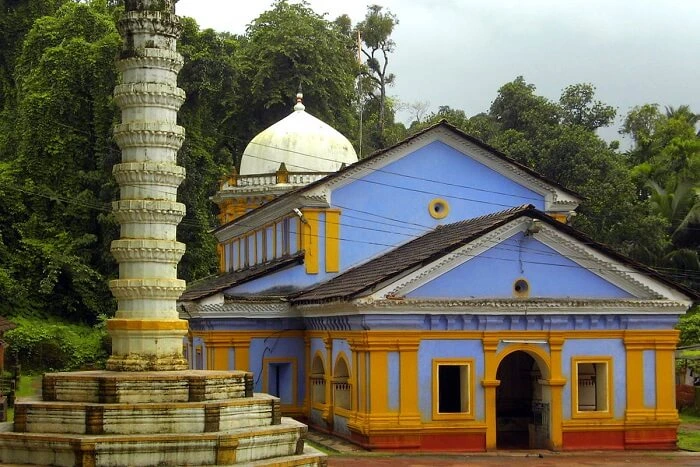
column 493, row 273
column 649, row 363
column 278, row 347
column 614, row 348
column 393, row 380
column 430, row 349
column 433, row 171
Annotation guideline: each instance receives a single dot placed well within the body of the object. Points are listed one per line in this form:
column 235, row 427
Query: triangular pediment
column 528, row 258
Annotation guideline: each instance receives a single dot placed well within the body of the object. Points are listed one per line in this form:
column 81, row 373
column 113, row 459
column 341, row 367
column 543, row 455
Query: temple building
column 431, row 297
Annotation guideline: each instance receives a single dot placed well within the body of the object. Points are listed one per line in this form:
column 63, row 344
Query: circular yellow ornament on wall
column 439, row 208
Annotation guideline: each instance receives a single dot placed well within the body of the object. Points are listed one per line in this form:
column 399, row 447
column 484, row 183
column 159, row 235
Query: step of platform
column 146, row 387
column 147, row 418
column 248, row 445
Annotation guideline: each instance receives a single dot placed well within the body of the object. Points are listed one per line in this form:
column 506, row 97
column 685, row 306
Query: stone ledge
column 146, row 250
column 219, row 448
column 146, row 418
column 147, row 288
column 147, row 386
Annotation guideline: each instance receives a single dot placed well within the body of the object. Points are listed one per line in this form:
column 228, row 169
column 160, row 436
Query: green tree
column 287, row 47
column 64, row 79
column 375, row 31
column 579, row 107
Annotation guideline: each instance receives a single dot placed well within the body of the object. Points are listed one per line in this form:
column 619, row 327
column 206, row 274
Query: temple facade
column 432, row 297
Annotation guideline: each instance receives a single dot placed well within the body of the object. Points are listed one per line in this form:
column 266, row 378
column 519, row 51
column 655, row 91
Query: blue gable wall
column 493, row 272
column 399, row 205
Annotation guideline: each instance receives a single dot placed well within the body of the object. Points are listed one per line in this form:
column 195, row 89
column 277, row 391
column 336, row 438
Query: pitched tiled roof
column 408, row 256
column 362, row 279
column 218, row 284
column 367, row 160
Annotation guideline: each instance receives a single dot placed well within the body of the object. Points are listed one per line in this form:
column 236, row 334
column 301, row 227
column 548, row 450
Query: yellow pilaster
column 409, row 411
column 219, row 353
column 309, row 238
column 490, row 383
column 328, row 410
column 355, row 381
column 665, row 378
column 378, row 384
column 556, row 384
column 359, row 422
column 634, row 347
column 307, row 372
column 332, row 240
column 241, row 353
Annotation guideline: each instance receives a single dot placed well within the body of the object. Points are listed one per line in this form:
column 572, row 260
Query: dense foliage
column 56, row 151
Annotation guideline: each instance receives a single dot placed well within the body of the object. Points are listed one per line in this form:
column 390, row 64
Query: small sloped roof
column 366, row 161
column 442, row 240
column 218, row 284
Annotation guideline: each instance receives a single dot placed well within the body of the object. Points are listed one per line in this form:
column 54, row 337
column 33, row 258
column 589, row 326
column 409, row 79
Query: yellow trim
column 635, row 380
column 438, row 208
column 310, row 240
column 332, row 240
column 469, row 413
column 219, row 357
column 241, row 354
column 610, row 389
column 328, row 411
column 378, row 384
column 409, row 409
column 665, row 381
column 220, row 256
column 295, row 377
column 146, row 325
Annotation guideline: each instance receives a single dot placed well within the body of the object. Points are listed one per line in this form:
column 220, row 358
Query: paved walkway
column 343, row 453
column 539, row 458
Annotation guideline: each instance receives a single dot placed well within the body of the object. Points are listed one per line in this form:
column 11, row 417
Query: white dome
column 303, row 142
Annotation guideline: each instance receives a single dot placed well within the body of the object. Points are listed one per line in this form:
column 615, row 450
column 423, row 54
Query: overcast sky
column 459, row 52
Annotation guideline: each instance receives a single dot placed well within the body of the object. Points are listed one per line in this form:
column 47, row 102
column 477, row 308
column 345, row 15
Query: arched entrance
column 522, row 404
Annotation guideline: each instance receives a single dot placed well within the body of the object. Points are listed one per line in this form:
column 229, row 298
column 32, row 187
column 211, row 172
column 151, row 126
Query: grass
column 689, row 417
column 689, row 437
column 29, row 386
column 689, row 440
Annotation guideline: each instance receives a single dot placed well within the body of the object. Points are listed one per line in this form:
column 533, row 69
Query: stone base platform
column 102, row 418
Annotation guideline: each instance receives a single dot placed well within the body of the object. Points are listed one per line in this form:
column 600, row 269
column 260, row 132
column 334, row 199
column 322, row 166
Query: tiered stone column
column 146, row 332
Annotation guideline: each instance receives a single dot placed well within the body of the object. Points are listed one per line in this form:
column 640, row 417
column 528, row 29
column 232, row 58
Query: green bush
column 41, row 345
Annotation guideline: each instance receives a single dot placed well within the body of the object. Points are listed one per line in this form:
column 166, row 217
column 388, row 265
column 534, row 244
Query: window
column 341, row 384
column 318, row 381
column 592, row 388
column 452, row 388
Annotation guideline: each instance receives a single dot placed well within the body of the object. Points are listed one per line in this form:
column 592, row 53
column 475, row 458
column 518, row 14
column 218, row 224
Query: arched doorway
column 522, row 406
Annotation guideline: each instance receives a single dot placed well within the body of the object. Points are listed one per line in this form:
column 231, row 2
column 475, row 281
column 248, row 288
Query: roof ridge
column 509, row 211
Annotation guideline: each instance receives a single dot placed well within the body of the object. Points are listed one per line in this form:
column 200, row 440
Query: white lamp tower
column 146, row 331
